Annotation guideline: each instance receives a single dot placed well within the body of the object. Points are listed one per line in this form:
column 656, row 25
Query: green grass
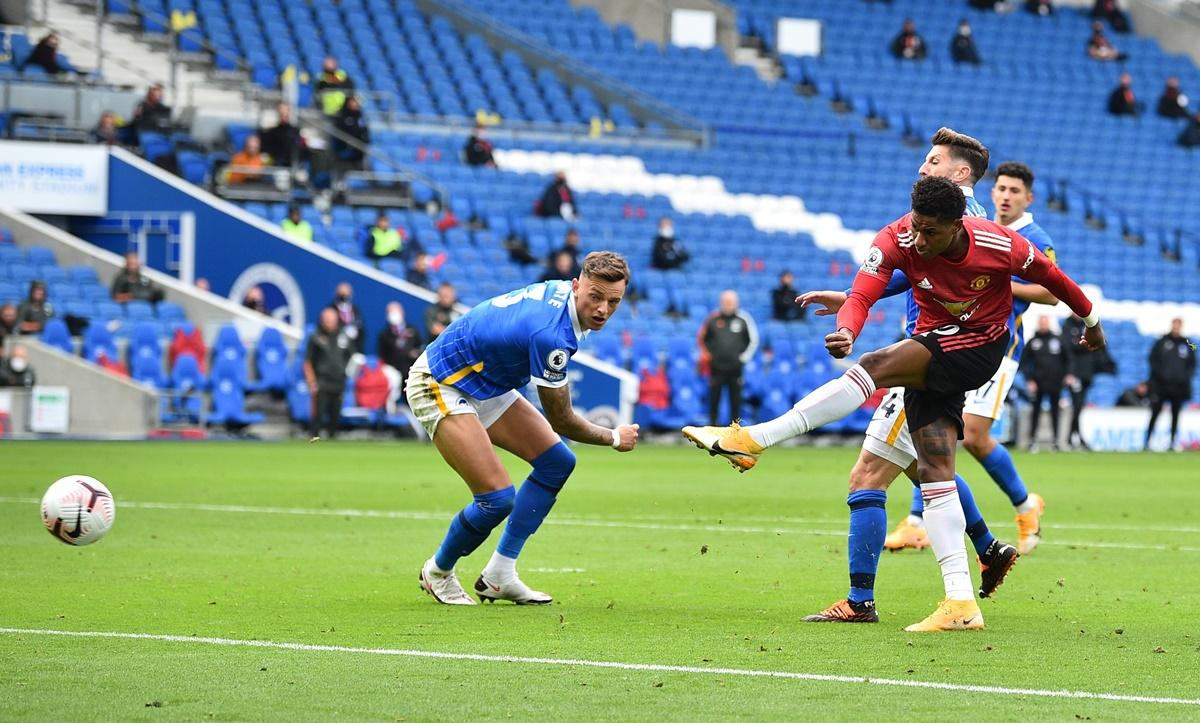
column 1075, row 615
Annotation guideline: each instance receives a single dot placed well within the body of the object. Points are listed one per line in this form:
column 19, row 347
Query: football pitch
column 248, row 581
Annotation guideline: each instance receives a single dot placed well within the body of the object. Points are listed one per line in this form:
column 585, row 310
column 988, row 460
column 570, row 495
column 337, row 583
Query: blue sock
column 868, row 527
column 918, row 504
column 472, row 525
column 977, row 529
column 535, row 498
column 999, row 465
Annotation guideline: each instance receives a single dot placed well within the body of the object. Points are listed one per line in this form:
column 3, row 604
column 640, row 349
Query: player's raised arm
column 1032, row 265
column 556, row 402
column 869, row 284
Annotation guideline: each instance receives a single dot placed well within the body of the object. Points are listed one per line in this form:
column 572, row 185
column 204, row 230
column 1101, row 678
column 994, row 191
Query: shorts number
column 889, row 409
column 535, row 293
column 948, row 330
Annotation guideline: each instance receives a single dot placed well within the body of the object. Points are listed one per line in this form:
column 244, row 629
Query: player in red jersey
column 959, row 269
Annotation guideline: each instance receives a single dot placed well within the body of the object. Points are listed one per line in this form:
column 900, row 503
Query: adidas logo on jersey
column 924, row 283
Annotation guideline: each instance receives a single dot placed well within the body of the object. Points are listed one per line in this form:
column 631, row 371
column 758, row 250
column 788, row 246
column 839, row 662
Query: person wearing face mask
column 669, row 252
column 962, row 46
column 350, row 318
column 399, row 344
column 16, row 372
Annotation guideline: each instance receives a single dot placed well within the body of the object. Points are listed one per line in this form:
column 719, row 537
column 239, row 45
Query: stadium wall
column 651, row 19
column 235, row 250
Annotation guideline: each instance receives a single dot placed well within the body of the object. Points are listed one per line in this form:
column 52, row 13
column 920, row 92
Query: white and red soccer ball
column 78, row 509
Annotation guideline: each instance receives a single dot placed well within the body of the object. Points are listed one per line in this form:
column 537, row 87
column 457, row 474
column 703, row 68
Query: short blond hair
column 605, row 266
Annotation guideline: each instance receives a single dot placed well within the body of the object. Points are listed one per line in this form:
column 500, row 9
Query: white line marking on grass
column 565, row 521
column 648, row 667
column 557, row 569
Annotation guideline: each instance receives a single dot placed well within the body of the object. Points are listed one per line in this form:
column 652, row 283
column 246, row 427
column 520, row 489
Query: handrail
column 574, row 66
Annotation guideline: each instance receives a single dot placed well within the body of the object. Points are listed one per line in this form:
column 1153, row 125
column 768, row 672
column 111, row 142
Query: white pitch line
column 563, row 521
column 648, row 667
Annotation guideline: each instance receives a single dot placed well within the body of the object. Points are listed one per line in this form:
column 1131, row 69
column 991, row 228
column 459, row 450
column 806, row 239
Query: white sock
column 1026, row 506
column 502, row 569
column 914, row 521
column 829, row 402
column 438, row 570
column 947, row 526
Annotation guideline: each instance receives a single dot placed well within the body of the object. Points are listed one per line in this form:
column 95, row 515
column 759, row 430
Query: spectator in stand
column 478, row 151
column 333, row 87
column 329, row 351
column 1082, row 368
column 1136, row 396
column 1172, row 103
column 907, row 45
column 668, row 253
column 1044, row 364
column 1040, row 7
column 383, row 241
column 783, row 300
column 16, row 371
column 45, row 56
column 350, row 121
column 106, row 131
column 8, row 322
column 152, row 114
column 282, row 142
column 561, row 267
column 254, row 300
column 418, row 273
column 1099, row 47
column 962, row 46
column 399, row 344
column 1190, row 137
column 572, row 248
column 1122, row 100
column 294, row 226
column 247, row 164
column 131, row 284
column 349, row 317
column 728, row 339
column 1172, row 366
column 35, row 310
column 557, row 200
column 441, row 313
column 518, row 250
column 1108, row 10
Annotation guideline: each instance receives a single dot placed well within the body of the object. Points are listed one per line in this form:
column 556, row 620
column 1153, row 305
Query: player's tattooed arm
column 556, row 401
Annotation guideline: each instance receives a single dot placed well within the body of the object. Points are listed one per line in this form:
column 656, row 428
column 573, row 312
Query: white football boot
column 512, row 589
column 443, row 586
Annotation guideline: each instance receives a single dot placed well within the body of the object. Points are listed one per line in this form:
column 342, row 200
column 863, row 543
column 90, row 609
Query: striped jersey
column 975, row 210
column 504, row 343
column 1026, row 226
column 971, row 293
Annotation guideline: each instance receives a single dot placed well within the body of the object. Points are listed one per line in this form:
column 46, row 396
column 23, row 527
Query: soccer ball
column 78, row 510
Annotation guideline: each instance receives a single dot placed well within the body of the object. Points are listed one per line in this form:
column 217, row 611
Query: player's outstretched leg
column 469, row 528
column 868, row 524
column 742, row 446
column 910, row 533
column 499, row 580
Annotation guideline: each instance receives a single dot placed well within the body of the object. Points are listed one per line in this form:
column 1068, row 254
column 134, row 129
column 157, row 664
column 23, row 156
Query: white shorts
column 887, row 434
column 988, row 400
column 432, row 401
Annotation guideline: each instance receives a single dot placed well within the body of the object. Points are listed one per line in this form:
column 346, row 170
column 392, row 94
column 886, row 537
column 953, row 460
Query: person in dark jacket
column 783, row 300
column 962, row 46
column 15, row 371
column 668, row 252
column 572, row 248
column 442, row 313
column 1122, row 101
column 1190, row 137
column 1172, row 365
column 1082, row 368
column 728, row 339
column 907, row 45
column 152, row 114
column 131, row 284
column 325, row 361
column 1136, row 396
column 1108, row 10
column 282, row 141
column 1173, row 103
column 1044, row 364
column 557, row 201
column 351, row 122
column 478, row 151
column 35, row 310
column 349, row 316
column 399, row 344
column 45, row 56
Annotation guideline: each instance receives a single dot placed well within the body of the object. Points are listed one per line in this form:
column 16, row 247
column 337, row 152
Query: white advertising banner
column 58, row 178
column 50, row 409
column 1123, row 429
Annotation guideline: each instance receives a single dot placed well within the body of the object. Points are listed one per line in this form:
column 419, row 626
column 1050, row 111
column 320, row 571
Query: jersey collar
column 580, row 333
column 967, row 191
column 1024, row 220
